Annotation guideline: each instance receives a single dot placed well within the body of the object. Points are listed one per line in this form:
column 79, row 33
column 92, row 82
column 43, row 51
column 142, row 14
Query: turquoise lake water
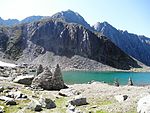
column 77, row 77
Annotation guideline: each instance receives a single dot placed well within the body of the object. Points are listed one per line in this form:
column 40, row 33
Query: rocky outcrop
column 49, row 81
column 143, row 105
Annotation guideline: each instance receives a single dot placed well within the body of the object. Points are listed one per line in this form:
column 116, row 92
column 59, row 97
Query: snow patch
column 7, row 64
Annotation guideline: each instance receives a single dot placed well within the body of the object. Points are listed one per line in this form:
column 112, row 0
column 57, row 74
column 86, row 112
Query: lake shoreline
column 147, row 69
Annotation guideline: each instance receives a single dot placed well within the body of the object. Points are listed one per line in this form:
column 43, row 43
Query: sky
column 130, row 15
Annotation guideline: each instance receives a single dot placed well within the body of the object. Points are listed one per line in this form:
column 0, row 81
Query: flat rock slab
column 78, row 101
column 26, row 80
column 68, row 92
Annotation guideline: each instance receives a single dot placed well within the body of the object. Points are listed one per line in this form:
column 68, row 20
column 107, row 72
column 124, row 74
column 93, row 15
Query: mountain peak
column 71, row 17
column 102, row 26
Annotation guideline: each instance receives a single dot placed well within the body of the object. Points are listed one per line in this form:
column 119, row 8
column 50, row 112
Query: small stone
column 121, row 98
column 35, row 105
column 47, row 103
column 116, row 83
column 78, row 101
column 68, row 92
column 1, row 88
column 10, row 102
column 130, row 82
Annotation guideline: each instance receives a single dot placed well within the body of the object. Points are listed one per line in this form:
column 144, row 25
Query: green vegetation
column 14, row 108
column 101, row 111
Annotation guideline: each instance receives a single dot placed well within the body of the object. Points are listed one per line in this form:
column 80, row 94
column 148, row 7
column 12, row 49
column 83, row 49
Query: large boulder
column 57, row 79
column 49, row 81
column 143, row 105
column 43, row 80
column 26, row 80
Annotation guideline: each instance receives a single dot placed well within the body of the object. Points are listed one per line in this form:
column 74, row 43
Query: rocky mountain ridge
column 29, row 41
column 132, row 44
column 12, row 22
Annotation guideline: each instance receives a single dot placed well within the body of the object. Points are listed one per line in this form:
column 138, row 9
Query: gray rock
column 35, row 105
column 47, row 103
column 16, row 94
column 116, row 83
column 1, row 88
column 72, row 109
column 57, row 79
column 121, row 98
column 68, row 92
column 39, row 69
column 43, row 80
column 27, row 79
column 4, row 98
column 1, row 109
column 130, row 82
column 49, row 81
column 78, row 101
column 10, row 102
column 143, row 105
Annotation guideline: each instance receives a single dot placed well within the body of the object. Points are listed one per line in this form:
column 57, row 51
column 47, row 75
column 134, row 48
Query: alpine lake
column 80, row 77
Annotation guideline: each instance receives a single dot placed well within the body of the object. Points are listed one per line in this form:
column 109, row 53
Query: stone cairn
column 48, row 80
column 116, row 83
column 130, row 82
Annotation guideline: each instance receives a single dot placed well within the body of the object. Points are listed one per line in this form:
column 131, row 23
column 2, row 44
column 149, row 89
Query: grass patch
column 101, row 111
column 14, row 108
column 105, row 102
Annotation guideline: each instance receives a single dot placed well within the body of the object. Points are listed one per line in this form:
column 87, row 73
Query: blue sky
column 130, row 15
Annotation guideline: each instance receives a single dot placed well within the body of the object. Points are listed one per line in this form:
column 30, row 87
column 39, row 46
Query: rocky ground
column 30, row 89
column 100, row 98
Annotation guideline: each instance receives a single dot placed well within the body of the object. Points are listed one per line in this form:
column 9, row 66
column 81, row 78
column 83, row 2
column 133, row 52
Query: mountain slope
column 134, row 45
column 30, row 41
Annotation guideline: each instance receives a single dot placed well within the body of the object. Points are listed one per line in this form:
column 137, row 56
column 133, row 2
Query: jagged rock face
column 134, row 45
column 3, row 40
column 63, row 39
column 72, row 39
column 49, row 81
